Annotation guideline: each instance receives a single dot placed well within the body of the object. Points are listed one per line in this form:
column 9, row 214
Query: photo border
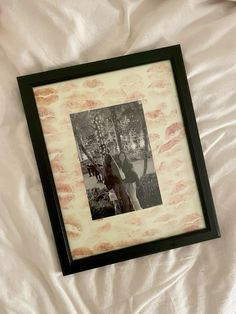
column 28, row 82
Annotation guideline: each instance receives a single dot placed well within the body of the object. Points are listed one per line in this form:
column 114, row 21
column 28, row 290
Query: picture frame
column 61, row 108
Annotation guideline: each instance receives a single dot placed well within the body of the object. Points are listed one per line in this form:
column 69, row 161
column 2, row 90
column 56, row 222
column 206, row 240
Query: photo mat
column 116, row 159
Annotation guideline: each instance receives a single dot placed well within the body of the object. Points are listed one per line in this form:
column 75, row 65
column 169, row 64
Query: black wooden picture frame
column 28, row 82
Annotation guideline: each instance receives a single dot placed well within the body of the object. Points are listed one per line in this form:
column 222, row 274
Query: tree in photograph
column 98, row 133
column 84, row 133
column 114, row 116
column 130, row 122
column 124, row 125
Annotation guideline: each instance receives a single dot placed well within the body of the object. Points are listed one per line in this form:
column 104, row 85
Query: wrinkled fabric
column 41, row 35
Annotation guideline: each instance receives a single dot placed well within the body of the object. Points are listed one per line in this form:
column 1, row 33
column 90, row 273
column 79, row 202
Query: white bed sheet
column 42, row 35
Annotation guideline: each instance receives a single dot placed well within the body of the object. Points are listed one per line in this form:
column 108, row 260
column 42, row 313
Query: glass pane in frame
column 152, row 136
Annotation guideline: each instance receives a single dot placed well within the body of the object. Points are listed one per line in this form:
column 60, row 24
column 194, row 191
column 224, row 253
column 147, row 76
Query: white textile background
column 46, row 34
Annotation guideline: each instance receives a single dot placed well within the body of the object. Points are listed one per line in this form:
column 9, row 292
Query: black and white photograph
column 116, row 159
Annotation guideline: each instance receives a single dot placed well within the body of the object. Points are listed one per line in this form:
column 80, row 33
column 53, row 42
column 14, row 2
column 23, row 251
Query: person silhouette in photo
column 131, row 179
column 97, row 170
column 89, row 168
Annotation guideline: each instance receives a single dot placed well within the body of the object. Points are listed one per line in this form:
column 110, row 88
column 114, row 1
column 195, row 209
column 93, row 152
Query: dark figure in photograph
column 95, row 170
column 98, row 172
column 131, row 179
column 90, row 171
column 113, row 180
